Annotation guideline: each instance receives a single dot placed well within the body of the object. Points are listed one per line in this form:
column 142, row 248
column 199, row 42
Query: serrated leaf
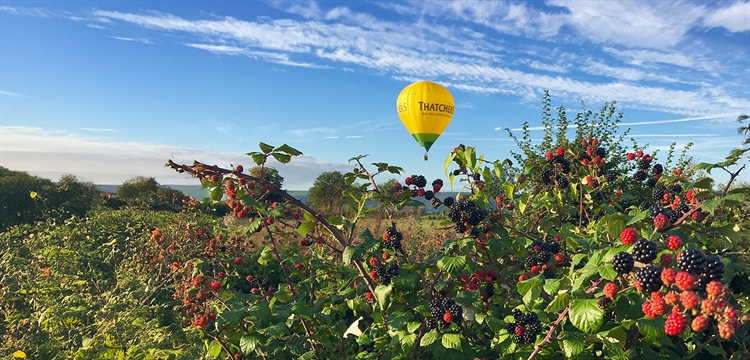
column 383, row 294
column 282, row 158
column 452, row 264
column 250, row 201
column 586, row 315
column 258, row 158
column 652, row 329
column 551, row 286
column 214, row 350
column 572, row 348
column 366, row 236
column 711, row 204
column 248, row 344
column 452, row 341
column 413, row 326
column 714, row 350
column 608, row 272
column 559, row 303
column 265, row 256
column 265, row 148
column 289, row 150
column 217, row 193
column 352, row 253
column 305, row 228
column 429, row 338
column 527, row 285
column 232, row 317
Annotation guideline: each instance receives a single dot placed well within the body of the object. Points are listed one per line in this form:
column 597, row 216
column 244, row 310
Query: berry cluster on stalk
column 466, row 216
column 392, row 239
column 526, row 326
column 444, row 312
column 541, row 260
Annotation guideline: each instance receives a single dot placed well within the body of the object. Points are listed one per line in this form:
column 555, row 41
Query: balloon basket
column 425, row 156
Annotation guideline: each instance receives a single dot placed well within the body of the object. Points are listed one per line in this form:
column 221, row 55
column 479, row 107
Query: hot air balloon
column 426, row 109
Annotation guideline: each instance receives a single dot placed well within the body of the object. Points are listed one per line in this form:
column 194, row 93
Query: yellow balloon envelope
column 426, row 109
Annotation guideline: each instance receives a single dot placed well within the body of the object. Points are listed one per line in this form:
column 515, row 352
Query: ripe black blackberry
column 604, row 302
column 511, row 327
column 650, row 279
column 623, row 263
column 548, row 274
column 644, row 251
column 657, row 169
column 367, row 347
column 610, row 177
column 429, row 194
column 449, row 201
column 419, row 181
column 553, row 247
column 644, row 164
column 535, row 327
column 644, row 205
column 655, row 211
column 691, row 260
column 437, row 182
column 651, row 182
column 393, row 270
column 459, row 227
column 561, row 182
column 583, row 155
column 531, row 261
column 476, row 177
column 640, row 175
column 600, row 152
column 431, row 323
column 546, row 176
column 544, row 256
column 517, row 315
column 466, row 211
column 528, row 337
column 676, row 188
column 683, row 208
column 456, row 172
column 657, row 193
column 489, row 289
column 714, row 268
column 565, row 165
column 673, row 216
column 266, row 282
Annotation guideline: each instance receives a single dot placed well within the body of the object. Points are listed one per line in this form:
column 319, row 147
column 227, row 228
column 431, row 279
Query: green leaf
column 559, row 303
column 638, row 217
column 608, row 272
column 289, row 150
column 33, row 195
column 232, row 317
column 704, row 183
column 217, row 193
column 250, row 201
column 551, row 286
column 652, row 329
column 383, row 294
column 586, row 315
column 494, row 324
column 265, row 256
column 275, row 330
column 413, row 326
column 448, row 161
column 352, row 253
column 571, row 348
column 429, row 338
column 248, row 344
column 258, row 158
column 452, row 264
column 714, row 350
column 214, row 349
column 282, row 158
column 452, row 341
column 526, row 286
column 305, row 228
column 265, row 148
column 711, row 204
column 260, row 311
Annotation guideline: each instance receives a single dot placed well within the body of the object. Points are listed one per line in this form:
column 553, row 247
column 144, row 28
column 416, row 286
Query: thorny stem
column 701, row 346
column 201, row 170
column 732, row 176
column 560, row 318
column 223, row 346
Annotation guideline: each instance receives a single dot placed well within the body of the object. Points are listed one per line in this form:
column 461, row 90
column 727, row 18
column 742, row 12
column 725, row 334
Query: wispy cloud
column 140, row 40
column 8, row 93
column 24, row 11
column 52, row 153
column 98, row 129
column 637, row 123
column 354, row 137
column 427, row 49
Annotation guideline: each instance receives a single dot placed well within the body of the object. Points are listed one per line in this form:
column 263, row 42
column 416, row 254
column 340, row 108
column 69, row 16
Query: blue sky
column 110, row 90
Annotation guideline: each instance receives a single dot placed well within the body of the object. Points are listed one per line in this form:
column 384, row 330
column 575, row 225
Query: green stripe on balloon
column 426, row 140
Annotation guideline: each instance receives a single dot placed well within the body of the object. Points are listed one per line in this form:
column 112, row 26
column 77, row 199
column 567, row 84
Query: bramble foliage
column 577, row 248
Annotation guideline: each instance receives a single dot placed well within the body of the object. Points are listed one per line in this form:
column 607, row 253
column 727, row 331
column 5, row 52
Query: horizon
column 111, row 90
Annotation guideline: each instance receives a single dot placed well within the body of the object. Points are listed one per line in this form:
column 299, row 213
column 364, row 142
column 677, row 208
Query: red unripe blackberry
column 610, row 290
column 639, row 153
column 549, row 156
column 215, row 178
column 386, row 255
column 215, row 286
column 726, row 331
column 671, row 298
column 647, row 310
column 666, row 260
column 631, row 156
column 241, row 214
column 249, row 278
column 369, row 295
column 524, row 277
column 436, row 187
column 374, row 262
column 560, row 151
column 661, row 221
column 675, row 324
column 420, row 192
column 535, row 269
column 674, row 242
column 472, row 286
column 269, row 221
column 242, row 181
column 684, row 280
column 628, row 236
column 699, row 324
column 690, row 195
column 708, row 307
column 221, row 274
column 558, row 258
column 447, row 317
column 397, row 186
column 668, row 276
column 298, row 266
column 689, row 300
column 714, row 288
column 408, row 180
column 238, row 260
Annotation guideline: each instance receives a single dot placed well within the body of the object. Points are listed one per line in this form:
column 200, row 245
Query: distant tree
column 75, row 197
column 16, row 203
column 326, row 194
column 272, row 175
column 386, row 188
column 139, row 191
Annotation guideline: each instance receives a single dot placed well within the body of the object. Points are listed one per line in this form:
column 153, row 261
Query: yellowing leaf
column 19, row 355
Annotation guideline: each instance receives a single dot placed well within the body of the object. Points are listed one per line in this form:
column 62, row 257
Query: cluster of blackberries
column 444, row 311
column 650, row 278
column 544, row 252
column 561, row 163
column 623, row 263
column 526, row 327
column 672, row 215
column 417, row 180
column 367, row 347
column 603, row 302
column 259, row 285
column 384, row 274
column 465, row 213
column 305, row 242
column 548, row 178
column 704, row 268
column 392, row 238
column 644, row 251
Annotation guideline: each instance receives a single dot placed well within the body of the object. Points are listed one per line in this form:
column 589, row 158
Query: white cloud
column 735, row 18
column 22, row 11
column 52, row 153
column 8, row 93
column 98, row 129
column 354, row 137
column 623, row 125
column 140, row 40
